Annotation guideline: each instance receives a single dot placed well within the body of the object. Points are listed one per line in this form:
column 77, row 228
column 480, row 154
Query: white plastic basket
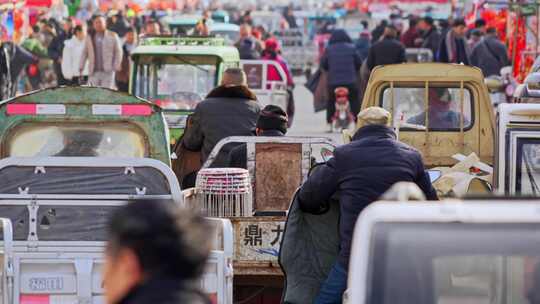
column 224, row 192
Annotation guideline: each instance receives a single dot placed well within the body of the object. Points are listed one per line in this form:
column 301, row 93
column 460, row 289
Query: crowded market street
column 252, row 152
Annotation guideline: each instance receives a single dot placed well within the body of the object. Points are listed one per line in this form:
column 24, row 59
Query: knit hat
column 272, row 118
column 271, row 45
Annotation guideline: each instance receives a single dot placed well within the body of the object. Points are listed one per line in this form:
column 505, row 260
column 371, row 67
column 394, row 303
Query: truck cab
column 82, row 121
column 177, row 73
column 517, row 162
column 445, row 252
column 440, row 109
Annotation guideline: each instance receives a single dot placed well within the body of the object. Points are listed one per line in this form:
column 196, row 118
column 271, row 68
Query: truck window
column 454, row 263
column 175, row 84
column 70, row 139
column 230, row 37
column 528, row 166
column 444, row 107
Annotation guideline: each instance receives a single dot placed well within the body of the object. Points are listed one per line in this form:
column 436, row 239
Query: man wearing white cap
column 361, row 172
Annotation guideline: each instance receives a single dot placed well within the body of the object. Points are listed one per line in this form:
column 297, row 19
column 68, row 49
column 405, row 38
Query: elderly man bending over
column 361, row 172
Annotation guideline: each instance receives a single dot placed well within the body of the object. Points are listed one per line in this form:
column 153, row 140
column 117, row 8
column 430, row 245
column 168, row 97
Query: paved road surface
column 306, row 121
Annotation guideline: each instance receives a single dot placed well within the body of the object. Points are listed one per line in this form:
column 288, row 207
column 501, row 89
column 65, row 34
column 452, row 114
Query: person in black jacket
column 453, row 47
column 56, row 48
column 120, row 25
column 490, row 54
column 431, row 37
column 377, row 33
column 272, row 121
column 155, row 254
column 387, row 51
column 229, row 110
column 361, row 172
column 342, row 62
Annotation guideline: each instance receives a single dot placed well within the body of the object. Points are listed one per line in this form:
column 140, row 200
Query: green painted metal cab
column 177, row 73
column 82, row 121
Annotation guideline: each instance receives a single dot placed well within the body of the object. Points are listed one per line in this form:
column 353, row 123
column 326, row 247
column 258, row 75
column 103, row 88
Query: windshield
column 182, row 30
column 431, row 263
column 528, row 166
column 230, row 37
column 66, row 139
column 176, row 84
column 444, row 113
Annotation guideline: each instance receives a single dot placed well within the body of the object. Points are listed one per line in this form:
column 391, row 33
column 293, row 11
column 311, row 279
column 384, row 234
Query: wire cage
column 224, row 192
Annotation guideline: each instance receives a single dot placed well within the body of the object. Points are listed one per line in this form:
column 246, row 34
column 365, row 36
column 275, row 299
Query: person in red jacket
column 272, row 52
column 411, row 34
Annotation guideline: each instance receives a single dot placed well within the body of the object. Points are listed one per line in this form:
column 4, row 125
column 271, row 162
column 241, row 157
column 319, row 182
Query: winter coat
column 377, row 33
column 238, row 155
column 123, row 74
column 121, row 26
column 226, row 111
column 362, row 48
column 490, row 55
column 273, row 74
column 453, row 49
column 341, row 60
column 35, row 47
column 432, row 40
column 386, row 51
column 408, row 38
column 249, row 48
column 20, row 58
column 71, row 59
column 112, row 53
column 5, row 65
column 164, row 291
column 57, row 46
column 360, row 172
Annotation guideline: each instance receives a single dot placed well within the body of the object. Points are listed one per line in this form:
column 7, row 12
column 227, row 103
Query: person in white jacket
column 71, row 58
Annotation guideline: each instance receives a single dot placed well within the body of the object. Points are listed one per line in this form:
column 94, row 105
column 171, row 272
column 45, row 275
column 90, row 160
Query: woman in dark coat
column 341, row 61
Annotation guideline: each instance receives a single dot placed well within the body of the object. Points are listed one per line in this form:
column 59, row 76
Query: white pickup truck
column 446, row 252
column 269, row 92
column 54, row 213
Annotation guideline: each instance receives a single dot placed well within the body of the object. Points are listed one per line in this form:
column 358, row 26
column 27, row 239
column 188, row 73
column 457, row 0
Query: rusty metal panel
column 257, row 269
column 278, row 173
column 257, row 241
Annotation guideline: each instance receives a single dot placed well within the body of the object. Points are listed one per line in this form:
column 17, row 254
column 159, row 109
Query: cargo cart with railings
column 55, row 211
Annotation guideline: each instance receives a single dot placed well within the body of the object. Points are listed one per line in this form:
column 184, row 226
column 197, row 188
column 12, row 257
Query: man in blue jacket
column 361, row 172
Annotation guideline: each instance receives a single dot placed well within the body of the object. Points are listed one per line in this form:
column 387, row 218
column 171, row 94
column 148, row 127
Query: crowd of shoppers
column 450, row 42
column 88, row 48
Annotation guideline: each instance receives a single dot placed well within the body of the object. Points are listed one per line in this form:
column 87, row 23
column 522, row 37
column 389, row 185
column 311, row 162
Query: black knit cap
column 272, row 118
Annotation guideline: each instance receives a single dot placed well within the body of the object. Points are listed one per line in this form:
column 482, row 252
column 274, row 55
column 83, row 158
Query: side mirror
column 326, row 154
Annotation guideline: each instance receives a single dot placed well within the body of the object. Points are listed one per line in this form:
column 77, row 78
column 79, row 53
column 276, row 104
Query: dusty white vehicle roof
column 488, row 211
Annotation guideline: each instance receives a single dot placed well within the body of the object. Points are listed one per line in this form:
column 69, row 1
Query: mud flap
column 309, row 249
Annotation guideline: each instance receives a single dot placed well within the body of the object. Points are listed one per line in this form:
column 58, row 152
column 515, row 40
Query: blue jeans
column 333, row 288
